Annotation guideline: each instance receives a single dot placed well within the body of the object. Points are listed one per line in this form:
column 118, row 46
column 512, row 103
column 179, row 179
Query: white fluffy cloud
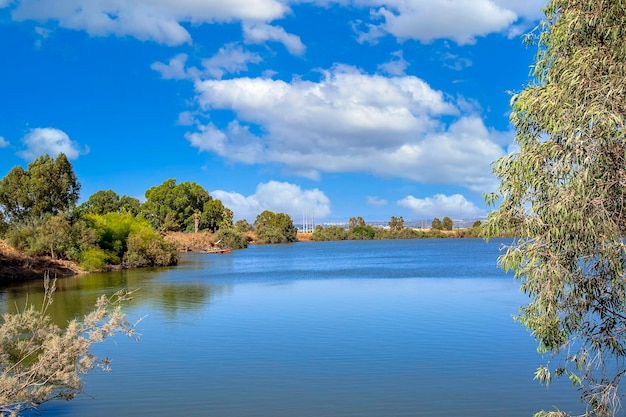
column 156, row 20
column 279, row 197
column 164, row 21
column 349, row 122
column 440, row 205
column 41, row 141
column 3, row 142
column 459, row 20
column 262, row 32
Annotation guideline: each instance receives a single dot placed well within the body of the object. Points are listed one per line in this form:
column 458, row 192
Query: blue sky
column 341, row 108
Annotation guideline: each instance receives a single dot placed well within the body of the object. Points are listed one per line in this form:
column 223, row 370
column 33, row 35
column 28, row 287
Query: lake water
column 329, row 329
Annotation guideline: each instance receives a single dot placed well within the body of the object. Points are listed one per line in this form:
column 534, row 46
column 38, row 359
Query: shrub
column 41, row 362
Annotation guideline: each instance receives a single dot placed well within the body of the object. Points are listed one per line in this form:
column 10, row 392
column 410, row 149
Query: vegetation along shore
column 43, row 229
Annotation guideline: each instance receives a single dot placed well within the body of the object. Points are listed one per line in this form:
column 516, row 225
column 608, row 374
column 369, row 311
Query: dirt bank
column 17, row 266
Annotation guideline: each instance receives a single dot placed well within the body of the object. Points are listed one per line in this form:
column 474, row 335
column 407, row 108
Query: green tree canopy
column 563, row 193
column 47, row 187
column 436, row 224
column 172, row 206
column 273, row 227
column 101, row 202
column 447, row 223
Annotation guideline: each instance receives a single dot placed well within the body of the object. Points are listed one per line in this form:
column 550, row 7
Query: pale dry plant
column 41, row 361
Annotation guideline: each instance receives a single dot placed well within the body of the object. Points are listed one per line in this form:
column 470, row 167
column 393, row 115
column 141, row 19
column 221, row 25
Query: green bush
column 146, row 247
column 231, row 238
column 93, row 259
column 328, row 233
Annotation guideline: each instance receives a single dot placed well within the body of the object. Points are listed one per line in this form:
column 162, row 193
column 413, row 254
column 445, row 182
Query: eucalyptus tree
column 172, row 206
column 273, row 227
column 563, row 194
column 47, row 187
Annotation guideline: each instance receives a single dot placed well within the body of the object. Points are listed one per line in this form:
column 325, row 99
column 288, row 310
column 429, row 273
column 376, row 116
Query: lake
column 315, row 329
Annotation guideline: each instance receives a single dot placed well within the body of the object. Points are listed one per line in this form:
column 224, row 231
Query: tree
column 273, row 227
column 47, row 187
column 355, row 222
column 396, row 223
column 172, row 207
column 447, row 223
column 101, row 202
column 436, row 224
column 213, row 215
column 41, row 362
column 563, row 193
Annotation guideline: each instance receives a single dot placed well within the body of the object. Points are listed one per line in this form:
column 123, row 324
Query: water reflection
column 153, row 289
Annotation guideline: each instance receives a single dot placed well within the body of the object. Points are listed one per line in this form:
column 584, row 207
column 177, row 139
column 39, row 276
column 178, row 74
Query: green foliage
column 243, row 226
column 361, row 233
column 230, row 238
column 172, row 207
column 404, row 233
column 93, row 259
column 130, row 205
column 41, row 362
column 146, row 247
column 328, row 233
column 447, row 223
column 396, row 223
column 101, row 202
column 214, row 215
column 128, row 239
column 436, row 224
column 273, row 227
column 562, row 194
column 47, row 187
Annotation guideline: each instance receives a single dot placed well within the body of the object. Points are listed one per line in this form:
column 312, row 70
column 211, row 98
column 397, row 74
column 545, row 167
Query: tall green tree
column 563, row 193
column 48, row 187
column 447, row 223
column 101, row 202
column 273, row 227
column 436, row 224
column 172, row 206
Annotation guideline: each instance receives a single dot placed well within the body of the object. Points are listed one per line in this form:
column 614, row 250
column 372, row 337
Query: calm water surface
column 363, row 329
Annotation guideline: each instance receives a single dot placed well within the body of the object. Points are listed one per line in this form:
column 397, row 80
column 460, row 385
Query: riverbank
column 17, row 266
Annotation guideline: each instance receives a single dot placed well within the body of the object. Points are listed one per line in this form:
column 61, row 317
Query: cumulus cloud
column 279, row 197
column 159, row 21
column 3, row 142
column 262, row 32
column 349, row 122
column 460, row 20
column 164, row 21
column 440, row 205
column 41, row 141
